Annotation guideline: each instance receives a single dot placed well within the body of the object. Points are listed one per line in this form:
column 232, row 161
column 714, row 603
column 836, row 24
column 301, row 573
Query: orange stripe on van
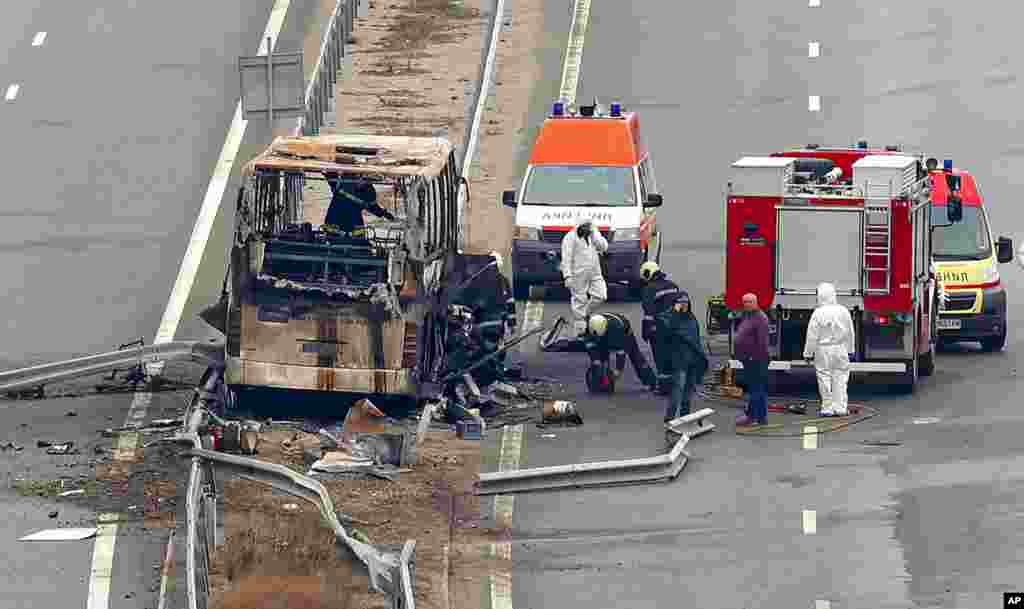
column 589, row 141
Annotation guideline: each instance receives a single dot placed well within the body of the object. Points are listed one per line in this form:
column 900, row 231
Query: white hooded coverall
column 830, row 340
column 581, row 268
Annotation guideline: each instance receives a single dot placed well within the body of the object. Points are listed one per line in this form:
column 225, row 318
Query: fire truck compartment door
column 818, row 245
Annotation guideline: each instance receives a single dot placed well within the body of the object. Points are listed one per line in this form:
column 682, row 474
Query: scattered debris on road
column 60, row 535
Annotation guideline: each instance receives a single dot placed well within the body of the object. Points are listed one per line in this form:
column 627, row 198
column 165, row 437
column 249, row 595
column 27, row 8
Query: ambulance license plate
column 949, row 324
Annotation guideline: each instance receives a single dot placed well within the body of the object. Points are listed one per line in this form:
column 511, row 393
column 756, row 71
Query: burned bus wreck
column 324, row 299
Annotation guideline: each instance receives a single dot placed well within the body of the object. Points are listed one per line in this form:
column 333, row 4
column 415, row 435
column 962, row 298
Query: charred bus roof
column 396, row 156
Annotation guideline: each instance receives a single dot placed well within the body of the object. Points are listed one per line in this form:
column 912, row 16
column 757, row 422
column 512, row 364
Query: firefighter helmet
column 598, row 324
column 648, row 269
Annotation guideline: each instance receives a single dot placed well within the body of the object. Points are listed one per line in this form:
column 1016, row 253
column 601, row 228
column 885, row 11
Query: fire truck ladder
column 877, row 237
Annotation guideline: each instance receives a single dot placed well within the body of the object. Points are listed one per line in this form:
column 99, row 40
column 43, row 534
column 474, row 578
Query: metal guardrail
column 602, row 473
column 389, row 573
column 468, row 148
column 320, row 90
column 43, row 374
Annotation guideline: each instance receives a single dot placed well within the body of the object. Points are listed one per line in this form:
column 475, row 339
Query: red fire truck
column 858, row 218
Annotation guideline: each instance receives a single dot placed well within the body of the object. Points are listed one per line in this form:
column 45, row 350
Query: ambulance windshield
column 967, row 239
column 580, row 185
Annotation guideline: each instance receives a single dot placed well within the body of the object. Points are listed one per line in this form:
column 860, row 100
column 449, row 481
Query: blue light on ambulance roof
column 558, row 109
column 616, row 109
column 947, row 165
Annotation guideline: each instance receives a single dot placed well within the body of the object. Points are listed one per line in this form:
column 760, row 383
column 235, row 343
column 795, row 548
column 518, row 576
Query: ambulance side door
column 649, row 185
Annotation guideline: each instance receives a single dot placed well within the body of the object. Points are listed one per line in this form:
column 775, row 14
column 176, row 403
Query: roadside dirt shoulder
column 278, row 549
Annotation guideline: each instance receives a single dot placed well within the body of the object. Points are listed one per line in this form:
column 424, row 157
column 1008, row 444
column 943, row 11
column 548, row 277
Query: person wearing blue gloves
column 830, row 344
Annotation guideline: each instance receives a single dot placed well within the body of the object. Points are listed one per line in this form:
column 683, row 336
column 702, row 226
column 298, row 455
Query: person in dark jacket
column 751, row 347
column 611, row 333
column 350, row 196
column 658, row 294
column 686, row 356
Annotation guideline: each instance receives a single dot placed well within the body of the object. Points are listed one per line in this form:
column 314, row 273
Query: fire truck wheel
column 926, row 363
column 908, row 380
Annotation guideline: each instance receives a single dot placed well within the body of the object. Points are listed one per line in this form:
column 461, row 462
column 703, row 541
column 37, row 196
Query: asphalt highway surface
column 113, row 118
column 916, row 507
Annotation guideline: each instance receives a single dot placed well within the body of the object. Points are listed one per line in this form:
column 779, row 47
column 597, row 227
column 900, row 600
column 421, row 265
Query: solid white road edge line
column 103, row 550
column 214, row 195
column 102, row 562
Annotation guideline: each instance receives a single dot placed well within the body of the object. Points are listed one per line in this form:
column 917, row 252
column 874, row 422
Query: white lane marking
column 167, row 567
column 512, row 438
column 810, row 436
column 574, row 51
column 814, row 103
column 214, row 195
column 125, row 447
column 500, row 582
column 814, row 3
column 810, row 522
column 102, row 563
column 508, row 460
column 821, row 605
column 813, row 49
column 39, row 39
column 12, row 92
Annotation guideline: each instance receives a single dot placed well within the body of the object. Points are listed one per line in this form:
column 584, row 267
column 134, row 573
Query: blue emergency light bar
column 616, row 109
column 947, row 165
column 863, row 144
column 558, row 109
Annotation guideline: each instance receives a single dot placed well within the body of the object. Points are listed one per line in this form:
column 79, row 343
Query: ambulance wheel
column 994, row 343
column 926, row 362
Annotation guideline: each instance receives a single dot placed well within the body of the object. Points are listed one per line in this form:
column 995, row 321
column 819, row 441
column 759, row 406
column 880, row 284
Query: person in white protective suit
column 830, row 342
column 581, row 267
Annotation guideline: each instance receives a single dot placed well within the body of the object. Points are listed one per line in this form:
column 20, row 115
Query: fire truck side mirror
column 653, row 200
column 954, row 209
column 508, row 198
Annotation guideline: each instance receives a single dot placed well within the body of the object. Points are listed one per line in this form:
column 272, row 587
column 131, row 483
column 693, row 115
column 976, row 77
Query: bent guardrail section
column 602, row 473
column 44, row 374
column 389, row 573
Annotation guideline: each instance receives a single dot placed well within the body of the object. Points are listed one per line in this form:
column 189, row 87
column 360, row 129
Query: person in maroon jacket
column 751, row 348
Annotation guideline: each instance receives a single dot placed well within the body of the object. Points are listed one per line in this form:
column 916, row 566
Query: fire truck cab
column 857, row 218
column 590, row 164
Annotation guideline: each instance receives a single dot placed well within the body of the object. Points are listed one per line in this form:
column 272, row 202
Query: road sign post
column 278, row 80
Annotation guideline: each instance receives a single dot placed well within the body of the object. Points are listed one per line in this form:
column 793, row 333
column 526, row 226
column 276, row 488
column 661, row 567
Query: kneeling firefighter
column 495, row 315
column 611, row 333
column 657, row 297
column 686, row 358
